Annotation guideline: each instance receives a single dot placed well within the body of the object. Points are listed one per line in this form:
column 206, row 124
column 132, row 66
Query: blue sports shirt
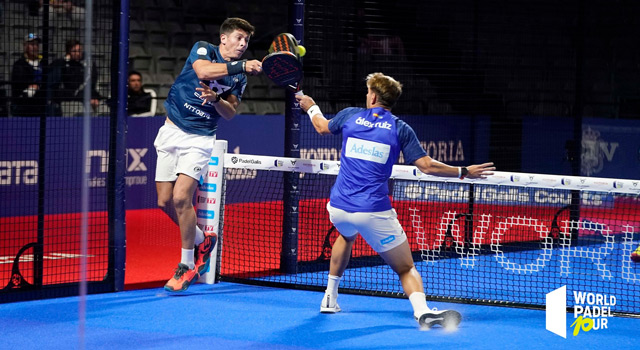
column 184, row 106
column 371, row 143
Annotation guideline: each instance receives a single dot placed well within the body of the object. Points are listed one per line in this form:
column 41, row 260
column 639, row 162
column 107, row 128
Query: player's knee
column 181, row 202
column 164, row 203
column 405, row 269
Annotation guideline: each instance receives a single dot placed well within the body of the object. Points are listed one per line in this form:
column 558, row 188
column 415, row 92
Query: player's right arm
column 320, row 123
column 207, row 70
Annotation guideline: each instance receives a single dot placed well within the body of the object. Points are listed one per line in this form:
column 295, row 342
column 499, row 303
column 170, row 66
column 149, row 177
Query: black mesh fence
column 42, row 85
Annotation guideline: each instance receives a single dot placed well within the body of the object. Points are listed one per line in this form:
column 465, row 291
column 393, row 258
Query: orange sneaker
column 635, row 256
column 182, row 279
column 203, row 251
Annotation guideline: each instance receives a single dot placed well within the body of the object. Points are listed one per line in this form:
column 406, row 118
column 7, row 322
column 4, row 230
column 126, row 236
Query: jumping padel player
column 372, row 139
column 185, row 142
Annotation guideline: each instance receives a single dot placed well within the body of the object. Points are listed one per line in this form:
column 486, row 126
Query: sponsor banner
column 450, row 139
column 20, row 165
column 206, row 214
column 208, row 187
column 140, row 192
column 253, row 134
column 452, row 192
column 610, row 147
column 367, row 150
column 611, row 150
column 208, row 199
column 544, row 145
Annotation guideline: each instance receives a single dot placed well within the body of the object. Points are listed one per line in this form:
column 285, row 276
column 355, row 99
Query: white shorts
column 380, row 229
column 181, row 153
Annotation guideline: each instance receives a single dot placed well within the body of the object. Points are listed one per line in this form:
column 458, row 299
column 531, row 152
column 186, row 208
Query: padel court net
column 509, row 239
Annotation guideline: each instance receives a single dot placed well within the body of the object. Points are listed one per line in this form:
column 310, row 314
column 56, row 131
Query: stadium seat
column 246, row 107
column 276, row 93
column 102, row 110
column 260, row 91
column 165, row 62
column 179, row 39
column 139, row 59
column 137, row 34
column 197, row 32
column 157, row 34
column 160, row 110
column 269, row 107
column 163, row 91
column 72, row 108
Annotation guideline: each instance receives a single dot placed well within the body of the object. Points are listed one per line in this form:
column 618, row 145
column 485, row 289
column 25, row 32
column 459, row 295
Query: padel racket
column 282, row 64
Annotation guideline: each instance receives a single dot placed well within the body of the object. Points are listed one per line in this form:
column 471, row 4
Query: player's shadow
column 323, row 330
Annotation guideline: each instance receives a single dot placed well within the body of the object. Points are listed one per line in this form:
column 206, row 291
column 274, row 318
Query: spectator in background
column 27, row 98
column 66, row 78
column 140, row 101
column 59, row 10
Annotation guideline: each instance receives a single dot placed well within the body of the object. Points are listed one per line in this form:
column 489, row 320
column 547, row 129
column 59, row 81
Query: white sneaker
column 449, row 319
column 329, row 304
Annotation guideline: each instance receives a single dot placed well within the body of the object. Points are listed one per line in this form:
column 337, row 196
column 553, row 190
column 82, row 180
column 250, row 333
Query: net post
column 468, row 220
column 208, row 206
column 117, row 145
column 289, row 252
column 38, row 250
column 578, row 108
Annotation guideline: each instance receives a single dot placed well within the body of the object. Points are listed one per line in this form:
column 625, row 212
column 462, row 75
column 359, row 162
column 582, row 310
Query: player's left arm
column 431, row 166
column 414, row 153
column 225, row 107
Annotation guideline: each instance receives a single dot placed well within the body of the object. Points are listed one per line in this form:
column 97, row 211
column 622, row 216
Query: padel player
column 185, row 142
column 372, row 139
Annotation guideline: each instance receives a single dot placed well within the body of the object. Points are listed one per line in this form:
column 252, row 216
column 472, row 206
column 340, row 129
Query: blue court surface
column 235, row 316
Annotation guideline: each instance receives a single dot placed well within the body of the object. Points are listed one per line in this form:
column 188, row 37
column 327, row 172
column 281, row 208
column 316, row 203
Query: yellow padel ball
column 301, row 50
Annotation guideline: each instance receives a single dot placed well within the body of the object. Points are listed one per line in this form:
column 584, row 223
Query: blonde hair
column 387, row 89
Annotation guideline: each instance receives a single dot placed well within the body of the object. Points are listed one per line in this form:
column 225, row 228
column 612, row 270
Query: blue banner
column 610, row 147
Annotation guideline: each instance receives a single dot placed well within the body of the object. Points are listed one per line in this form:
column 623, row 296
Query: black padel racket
column 282, row 64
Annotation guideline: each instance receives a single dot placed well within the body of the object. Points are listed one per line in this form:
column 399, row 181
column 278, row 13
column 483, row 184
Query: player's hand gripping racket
column 282, row 64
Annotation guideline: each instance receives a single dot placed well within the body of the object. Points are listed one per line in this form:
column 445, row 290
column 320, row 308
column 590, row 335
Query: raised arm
column 320, row 123
column 207, row 70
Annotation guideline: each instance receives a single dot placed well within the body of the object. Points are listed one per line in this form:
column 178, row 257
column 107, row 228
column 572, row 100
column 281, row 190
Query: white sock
column 199, row 236
column 332, row 285
column 187, row 258
column 419, row 304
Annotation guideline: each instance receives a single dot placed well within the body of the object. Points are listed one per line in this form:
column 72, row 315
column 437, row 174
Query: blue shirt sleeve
column 411, row 148
column 336, row 123
column 201, row 51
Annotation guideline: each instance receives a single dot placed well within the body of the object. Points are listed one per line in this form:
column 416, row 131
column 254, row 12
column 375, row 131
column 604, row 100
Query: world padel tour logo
column 591, row 311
